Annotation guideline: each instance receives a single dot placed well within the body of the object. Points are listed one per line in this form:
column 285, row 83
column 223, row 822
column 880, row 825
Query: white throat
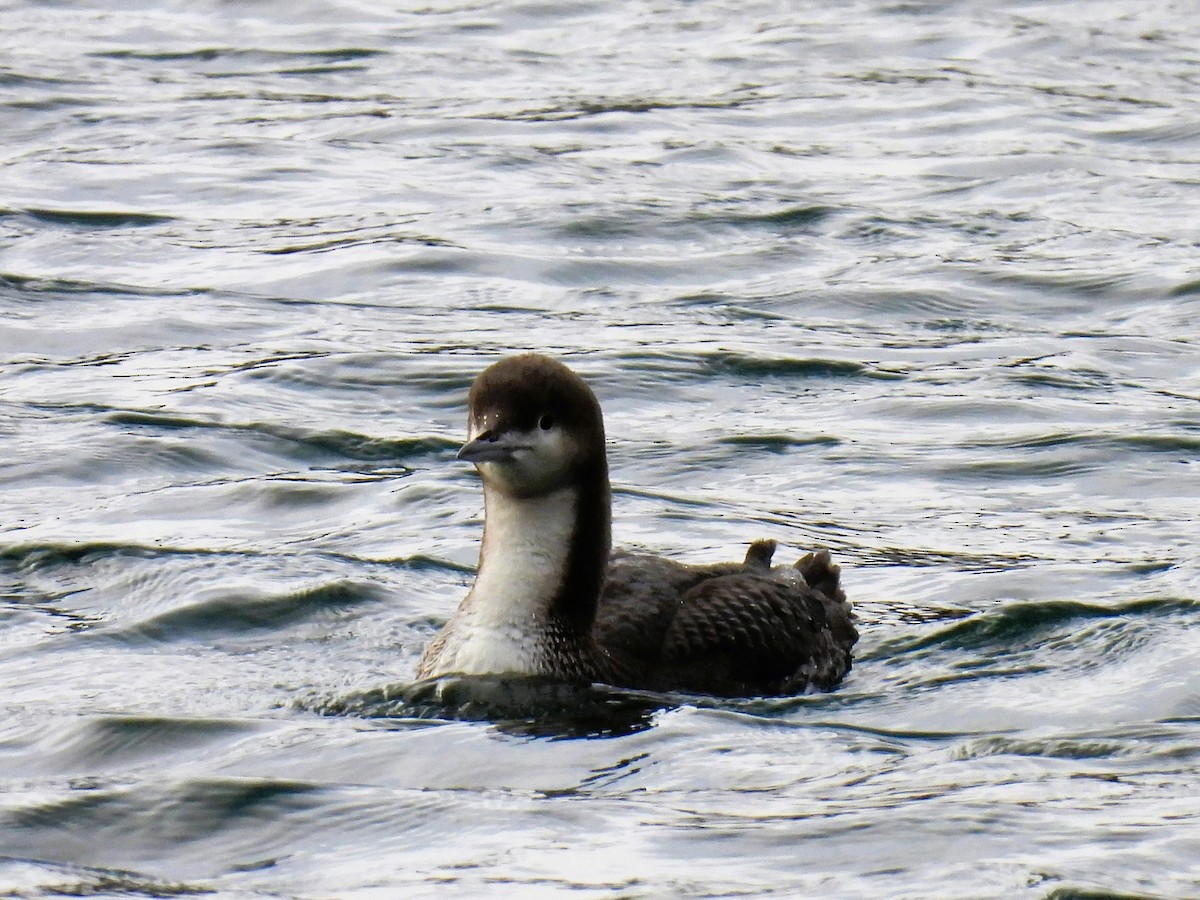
column 522, row 563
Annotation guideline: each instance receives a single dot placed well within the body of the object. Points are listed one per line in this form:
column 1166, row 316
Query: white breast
column 498, row 628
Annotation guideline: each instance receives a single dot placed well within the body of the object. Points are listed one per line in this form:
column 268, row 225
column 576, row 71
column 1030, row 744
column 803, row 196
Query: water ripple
column 911, row 281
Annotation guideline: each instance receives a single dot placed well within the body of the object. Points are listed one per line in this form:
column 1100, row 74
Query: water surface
column 915, row 282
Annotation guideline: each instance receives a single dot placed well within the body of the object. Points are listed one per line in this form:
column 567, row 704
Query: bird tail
column 759, row 555
column 821, row 573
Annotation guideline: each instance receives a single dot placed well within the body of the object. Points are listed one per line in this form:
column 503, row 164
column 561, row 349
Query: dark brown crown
column 524, row 392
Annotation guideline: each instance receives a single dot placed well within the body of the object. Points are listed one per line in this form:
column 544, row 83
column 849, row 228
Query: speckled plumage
column 729, row 629
column 550, row 600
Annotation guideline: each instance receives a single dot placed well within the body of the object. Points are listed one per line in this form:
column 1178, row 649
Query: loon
column 551, row 598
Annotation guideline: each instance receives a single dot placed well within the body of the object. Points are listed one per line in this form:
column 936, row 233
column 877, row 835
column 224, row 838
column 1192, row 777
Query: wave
column 1021, row 622
column 226, row 612
column 338, row 443
column 90, row 218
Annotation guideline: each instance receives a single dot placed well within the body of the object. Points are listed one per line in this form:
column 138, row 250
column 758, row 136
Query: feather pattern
column 726, row 629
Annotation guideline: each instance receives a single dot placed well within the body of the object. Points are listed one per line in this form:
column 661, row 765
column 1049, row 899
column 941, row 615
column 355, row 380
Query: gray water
column 916, row 282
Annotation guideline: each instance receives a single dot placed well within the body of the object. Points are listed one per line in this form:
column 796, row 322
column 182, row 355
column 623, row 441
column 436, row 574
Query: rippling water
column 917, row 282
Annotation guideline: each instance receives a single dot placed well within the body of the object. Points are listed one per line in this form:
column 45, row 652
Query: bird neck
column 545, row 557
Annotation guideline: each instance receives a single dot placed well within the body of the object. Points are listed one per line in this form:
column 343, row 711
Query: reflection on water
column 527, row 706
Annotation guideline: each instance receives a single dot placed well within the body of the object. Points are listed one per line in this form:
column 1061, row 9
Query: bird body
column 551, row 599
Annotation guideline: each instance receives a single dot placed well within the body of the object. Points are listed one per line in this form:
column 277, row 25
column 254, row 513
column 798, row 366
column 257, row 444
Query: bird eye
column 546, row 422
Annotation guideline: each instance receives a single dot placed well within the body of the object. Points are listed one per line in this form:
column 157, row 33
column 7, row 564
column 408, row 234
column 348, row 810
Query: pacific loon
column 551, row 599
